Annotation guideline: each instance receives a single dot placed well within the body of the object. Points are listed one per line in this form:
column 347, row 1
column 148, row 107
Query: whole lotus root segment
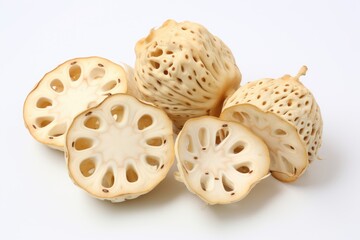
column 185, row 70
column 69, row 89
column 120, row 149
column 220, row 161
column 284, row 113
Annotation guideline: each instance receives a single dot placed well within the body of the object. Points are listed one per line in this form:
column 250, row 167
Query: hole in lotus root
column 246, row 116
column 74, row 72
column 203, row 137
column 131, row 174
column 188, row 165
column 87, row 167
column 227, row 184
column 289, row 146
column 241, row 168
column 118, row 113
column 155, row 64
column 238, row 117
column 155, row 142
column 221, row 134
column 237, row 147
column 189, row 147
column 157, row 53
column 43, row 103
column 144, row 122
column 57, row 85
column 97, row 73
column 289, row 102
column 280, row 132
column 214, row 66
column 58, row 130
column 205, row 183
column 42, row 122
column 92, row 122
column 83, row 144
column 108, row 179
column 109, row 86
column 153, row 161
column 313, row 132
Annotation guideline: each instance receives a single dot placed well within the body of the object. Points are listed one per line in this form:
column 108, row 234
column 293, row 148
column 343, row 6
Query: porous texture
column 120, row 149
column 220, row 161
column 290, row 101
column 185, row 70
column 68, row 90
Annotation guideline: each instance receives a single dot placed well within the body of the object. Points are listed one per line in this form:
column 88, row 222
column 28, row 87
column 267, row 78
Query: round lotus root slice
column 65, row 92
column 220, row 161
column 120, row 149
column 284, row 113
column 185, row 70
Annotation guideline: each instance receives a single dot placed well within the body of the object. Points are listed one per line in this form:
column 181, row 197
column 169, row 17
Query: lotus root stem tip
column 302, row 71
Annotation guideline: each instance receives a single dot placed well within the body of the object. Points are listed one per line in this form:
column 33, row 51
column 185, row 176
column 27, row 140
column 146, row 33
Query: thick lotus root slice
column 284, row 113
column 66, row 91
column 120, row 149
column 185, row 70
column 220, row 161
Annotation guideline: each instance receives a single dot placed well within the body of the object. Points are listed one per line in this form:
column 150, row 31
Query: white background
column 268, row 39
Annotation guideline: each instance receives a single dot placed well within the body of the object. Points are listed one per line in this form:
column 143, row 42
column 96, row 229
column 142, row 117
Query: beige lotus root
column 284, row 113
column 120, row 149
column 66, row 91
column 220, row 161
column 185, row 70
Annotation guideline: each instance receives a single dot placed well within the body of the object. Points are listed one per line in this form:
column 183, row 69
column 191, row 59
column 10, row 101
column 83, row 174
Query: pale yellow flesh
column 220, row 161
column 69, row 89
column 287, row 151
column 120, row 149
